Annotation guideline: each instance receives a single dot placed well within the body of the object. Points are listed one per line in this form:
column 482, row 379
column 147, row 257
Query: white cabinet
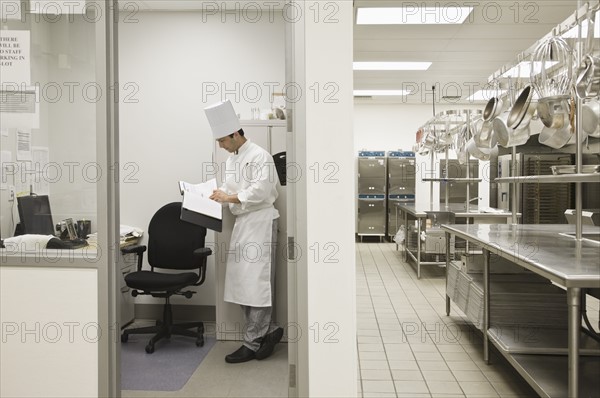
column 271, row 135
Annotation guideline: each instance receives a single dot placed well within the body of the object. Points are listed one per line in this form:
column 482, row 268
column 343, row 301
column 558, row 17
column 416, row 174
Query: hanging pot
column 522, row 111
column 485, row 137
column 492, row 109
column 509, row 137
column 460, row 145
column 587, row 84
column 554, row 111
column 480, row 153
column 590, row 113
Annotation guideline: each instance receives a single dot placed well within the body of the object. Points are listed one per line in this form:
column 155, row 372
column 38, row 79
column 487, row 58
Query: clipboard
column 201, row 219
column 198, row 209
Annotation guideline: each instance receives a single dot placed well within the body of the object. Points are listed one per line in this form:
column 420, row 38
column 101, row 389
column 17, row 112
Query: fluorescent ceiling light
column 523, row 69
column 360, row 93
column 412, row 15
column 486, row 94
column 391, row 65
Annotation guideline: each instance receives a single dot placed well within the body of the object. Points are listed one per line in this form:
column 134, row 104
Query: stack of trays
column 473, row 264
column 453, row 272
column 462, row 291
column 518, row 300
column 475, row 305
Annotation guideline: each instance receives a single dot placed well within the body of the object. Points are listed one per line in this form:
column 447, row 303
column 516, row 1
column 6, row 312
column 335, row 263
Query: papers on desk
column 491, row 210
column 197, row 207
column 127, row 235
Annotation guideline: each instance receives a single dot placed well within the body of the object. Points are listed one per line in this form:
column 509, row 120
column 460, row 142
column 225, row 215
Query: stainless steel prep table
column 552, row 252
column 418, row 212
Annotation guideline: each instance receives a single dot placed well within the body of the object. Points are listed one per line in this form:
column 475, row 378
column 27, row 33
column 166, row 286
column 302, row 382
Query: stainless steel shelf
column 464, row 180
column 548, row 374
column 549, row 179
column 539, row 341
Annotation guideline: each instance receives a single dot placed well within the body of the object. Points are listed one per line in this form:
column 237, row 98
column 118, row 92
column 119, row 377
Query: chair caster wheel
column 150, row 348
column 200, row 342
column 124, row 338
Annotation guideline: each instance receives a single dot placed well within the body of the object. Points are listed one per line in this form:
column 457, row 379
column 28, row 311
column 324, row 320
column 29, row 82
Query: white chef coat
column 250, row 174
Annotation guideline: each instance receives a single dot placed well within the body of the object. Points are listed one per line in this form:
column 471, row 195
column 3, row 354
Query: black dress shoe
column 268, row 344
column 243, row 354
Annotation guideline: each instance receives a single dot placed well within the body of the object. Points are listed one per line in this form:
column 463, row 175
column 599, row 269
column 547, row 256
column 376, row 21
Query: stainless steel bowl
column 554, row 111
column 555, row 138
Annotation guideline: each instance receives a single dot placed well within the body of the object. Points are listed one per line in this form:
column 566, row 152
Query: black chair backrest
column 171, row 242
column 280, row 165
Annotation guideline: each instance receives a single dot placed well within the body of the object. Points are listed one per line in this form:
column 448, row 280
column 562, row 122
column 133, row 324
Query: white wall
column 173, row 59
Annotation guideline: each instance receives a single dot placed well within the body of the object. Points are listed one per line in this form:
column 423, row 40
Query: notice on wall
column 23, row 145
column 57, row 7
column 40, row 156
column 15, row 59
column 10, row 9
column 5, row 168
column 19, row 107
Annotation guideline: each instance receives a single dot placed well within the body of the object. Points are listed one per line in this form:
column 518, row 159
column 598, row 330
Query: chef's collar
column 243, row 148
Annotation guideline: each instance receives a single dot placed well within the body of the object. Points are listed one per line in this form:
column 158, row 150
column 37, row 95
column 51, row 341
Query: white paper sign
column 10, row 9
column 23, row 144
column 15, row 58
column 19, row 107
column 5, row 165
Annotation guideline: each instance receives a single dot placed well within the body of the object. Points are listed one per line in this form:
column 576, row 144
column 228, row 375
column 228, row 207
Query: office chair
column 174, row 245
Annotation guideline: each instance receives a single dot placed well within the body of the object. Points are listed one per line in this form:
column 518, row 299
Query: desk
column 406, row 212
column 550, row 252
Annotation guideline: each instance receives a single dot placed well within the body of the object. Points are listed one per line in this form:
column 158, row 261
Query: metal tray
column 571, row 169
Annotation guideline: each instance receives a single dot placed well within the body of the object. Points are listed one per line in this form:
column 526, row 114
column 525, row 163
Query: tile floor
column 407, row 346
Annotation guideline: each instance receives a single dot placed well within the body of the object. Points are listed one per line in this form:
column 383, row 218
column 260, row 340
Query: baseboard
column 181, row 313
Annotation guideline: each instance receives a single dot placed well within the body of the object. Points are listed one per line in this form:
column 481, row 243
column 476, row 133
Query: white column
column 323, row 149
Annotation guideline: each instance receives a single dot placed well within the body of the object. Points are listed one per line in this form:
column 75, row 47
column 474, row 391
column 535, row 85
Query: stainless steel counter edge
column 591, row 280
column 457, row 209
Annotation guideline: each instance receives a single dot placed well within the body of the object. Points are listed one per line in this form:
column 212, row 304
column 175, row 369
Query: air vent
column 17, row 101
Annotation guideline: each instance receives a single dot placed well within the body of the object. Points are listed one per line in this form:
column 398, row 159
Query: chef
column 249, row 190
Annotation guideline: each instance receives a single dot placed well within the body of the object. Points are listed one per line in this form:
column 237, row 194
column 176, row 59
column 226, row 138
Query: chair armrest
column 136, row 249
column 202, row 252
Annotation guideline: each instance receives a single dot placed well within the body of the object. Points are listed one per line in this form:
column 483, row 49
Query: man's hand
column 222, row 197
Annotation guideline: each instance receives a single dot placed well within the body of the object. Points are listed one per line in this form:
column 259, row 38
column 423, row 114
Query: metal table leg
column 418, row 248
column 447, row 268
column 486, row 304
column 574, row 303
column 406, row 236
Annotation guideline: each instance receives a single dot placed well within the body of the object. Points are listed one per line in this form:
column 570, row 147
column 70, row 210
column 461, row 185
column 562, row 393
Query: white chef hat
column 222, row 118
